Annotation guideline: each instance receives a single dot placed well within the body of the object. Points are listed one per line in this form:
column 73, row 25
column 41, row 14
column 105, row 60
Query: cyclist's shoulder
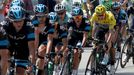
column 109, row 14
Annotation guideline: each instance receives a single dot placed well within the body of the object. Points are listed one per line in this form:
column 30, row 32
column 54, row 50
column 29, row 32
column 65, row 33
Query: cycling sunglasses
column 60, row 13
column 116, row 9
column 79, row 17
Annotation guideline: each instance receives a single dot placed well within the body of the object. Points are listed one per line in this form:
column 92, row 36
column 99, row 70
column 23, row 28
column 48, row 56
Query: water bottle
column 50, row 68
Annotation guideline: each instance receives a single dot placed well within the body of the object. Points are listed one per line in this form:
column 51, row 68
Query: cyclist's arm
column 36, row 31
column 50, row 40
column 31, row 45
column 85, row 34
column 36, row 38
column 111, row 26
column 65, row 43
column 92, row 21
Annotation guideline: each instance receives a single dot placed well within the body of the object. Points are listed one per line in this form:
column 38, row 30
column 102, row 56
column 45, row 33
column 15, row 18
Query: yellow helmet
column 100, row 9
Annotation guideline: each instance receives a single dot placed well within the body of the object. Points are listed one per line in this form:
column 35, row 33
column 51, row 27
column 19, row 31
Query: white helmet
column 59, row 7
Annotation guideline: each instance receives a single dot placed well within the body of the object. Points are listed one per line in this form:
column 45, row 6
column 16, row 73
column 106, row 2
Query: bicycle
column 94, row 62
column 67, row 65
column 20, row 63
column 128, row 49
column 53, row 68
column 116, row 45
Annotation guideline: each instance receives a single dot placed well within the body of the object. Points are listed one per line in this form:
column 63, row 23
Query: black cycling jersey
column 77, row 34
column 4, row 43
column 19, row 40
column 48, row 29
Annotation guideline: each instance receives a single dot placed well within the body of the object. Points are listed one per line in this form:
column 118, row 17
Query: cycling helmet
column 77, row 4
column 16, row 13
column 116, row 5
column 100, row 9
column 17, row 2
column 40, row 10
column 77, row 11
column 52, row 17
column 59, row 7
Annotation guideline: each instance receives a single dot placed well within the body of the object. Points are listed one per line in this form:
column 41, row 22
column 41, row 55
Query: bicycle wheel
column 124, row 54
column 116, row 63
column 90, row 67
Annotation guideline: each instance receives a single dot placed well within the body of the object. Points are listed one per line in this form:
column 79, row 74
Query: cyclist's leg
column 64, row 48
column 20, row 71
column 57, row 51
column 41, row 60
column 4, row 60
column 76, row 60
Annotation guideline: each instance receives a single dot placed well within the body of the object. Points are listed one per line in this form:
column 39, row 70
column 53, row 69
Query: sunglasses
column 115, row 9
column 60, row 13
column 79, row 17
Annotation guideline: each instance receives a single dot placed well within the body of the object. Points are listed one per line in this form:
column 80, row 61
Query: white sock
column 74, row 72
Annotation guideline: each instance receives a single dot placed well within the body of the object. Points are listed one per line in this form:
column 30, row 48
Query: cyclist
column 103, row 23
column 43, row 31
column 77, row 27
column 21, row 38
column 121, row 20
column 43, row 35
column 60, row 39
column 130, row 13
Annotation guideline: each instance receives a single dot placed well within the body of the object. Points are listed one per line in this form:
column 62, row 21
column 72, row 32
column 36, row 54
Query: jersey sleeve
column 112, row 21
column 35, row 22
column 87, row 27
column 4, row 43
column 51, row 30
column 93, row 18
column 30, row 34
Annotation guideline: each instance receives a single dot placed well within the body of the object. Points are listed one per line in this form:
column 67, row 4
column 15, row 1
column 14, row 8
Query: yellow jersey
column 108, row 20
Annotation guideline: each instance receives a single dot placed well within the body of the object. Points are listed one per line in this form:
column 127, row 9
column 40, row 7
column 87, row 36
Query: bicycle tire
column 123, row 51
column 117, row 64
column 65, row 66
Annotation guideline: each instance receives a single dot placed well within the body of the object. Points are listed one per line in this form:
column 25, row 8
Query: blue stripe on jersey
column 87, row 28
column 63, row 35
column 4, row 42
column 31, row 36
column 51, row 30
column 35, row 22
